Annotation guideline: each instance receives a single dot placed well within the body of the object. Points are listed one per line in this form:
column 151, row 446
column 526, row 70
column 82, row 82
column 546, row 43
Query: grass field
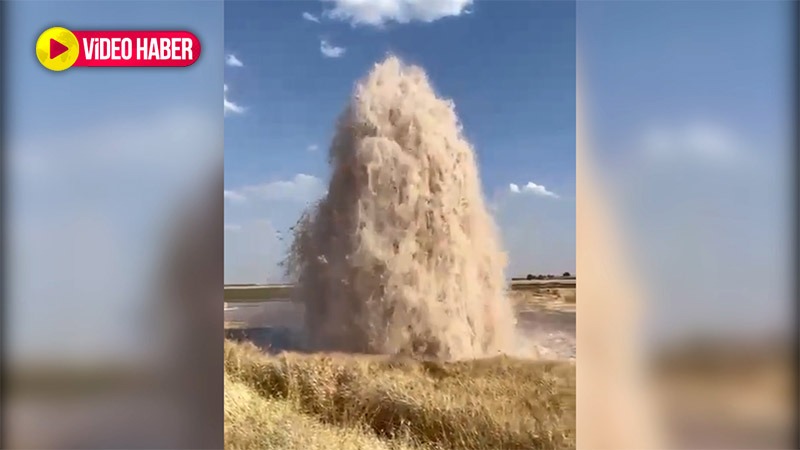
column 336, row 401
column 257, row 292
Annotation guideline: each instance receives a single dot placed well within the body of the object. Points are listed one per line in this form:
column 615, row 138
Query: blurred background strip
column 114, row 236
column 689, row 125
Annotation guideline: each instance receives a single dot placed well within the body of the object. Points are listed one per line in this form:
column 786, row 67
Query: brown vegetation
column 323, row 401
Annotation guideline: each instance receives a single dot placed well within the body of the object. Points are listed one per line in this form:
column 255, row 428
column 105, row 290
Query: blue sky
column 690, row 114
column 294, row 66
column 99, row 161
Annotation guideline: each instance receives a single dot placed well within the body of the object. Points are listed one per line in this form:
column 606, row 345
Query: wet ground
column 277, row 326
column 552, row 332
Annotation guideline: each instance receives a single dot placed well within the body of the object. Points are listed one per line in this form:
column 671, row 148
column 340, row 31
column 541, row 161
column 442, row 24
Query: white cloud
column 330, row 51
column 538, row 189
column 233, row 196
column 698, row 141
column 313, row 147
column 229, row 106
column 233, row 61
column 310, row 17
column 378, row 13
column 531, row 188
column 232, row 227
column 301, row 188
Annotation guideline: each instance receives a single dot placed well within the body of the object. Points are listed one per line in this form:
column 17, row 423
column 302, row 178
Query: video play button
column 57, row 48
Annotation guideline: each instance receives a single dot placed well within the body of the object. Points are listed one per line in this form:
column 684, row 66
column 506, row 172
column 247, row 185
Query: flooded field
column 545, row 320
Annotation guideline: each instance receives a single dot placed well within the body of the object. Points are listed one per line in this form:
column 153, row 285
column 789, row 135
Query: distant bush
column 531, row 276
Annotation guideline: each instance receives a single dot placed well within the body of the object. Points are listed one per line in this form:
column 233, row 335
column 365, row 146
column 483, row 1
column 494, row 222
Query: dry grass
column 567, row 295
column 544, row 299
column 371, row 402
column 255, row 422
column 257, row 293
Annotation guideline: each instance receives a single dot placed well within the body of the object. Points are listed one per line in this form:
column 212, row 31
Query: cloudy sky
column 290, row 67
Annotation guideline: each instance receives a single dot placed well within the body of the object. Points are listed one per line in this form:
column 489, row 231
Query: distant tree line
column 564, row 276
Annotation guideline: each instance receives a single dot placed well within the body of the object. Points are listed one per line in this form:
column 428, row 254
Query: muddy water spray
column 401, row 256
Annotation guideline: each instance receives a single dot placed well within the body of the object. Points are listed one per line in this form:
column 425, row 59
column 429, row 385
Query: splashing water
column 401, row 256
